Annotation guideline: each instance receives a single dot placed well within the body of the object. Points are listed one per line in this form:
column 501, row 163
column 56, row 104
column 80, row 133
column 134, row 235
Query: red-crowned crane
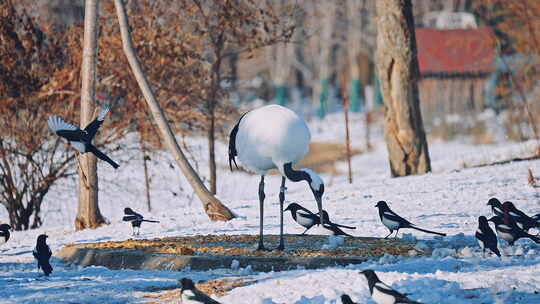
column 274, row 137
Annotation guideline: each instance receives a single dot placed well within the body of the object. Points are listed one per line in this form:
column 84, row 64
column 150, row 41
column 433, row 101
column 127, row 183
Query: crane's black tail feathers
column 427, row 231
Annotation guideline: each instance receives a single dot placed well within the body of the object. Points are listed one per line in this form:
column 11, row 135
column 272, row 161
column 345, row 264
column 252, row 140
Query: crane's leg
column 281, row 200
column 261, row 213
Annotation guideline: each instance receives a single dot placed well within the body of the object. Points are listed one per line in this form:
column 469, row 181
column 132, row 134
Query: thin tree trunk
column 212, row 151
column 88, row 214
column 215, row 210
column 397, row 66
column 146, row 158
column 347, row 137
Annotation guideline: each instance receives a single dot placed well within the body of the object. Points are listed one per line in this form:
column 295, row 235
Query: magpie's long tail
column 46, row 267
column 427, row 231
column 345, row 299
column 532, row 237
column 102, row 156
column 343, row 226
column 150, row 221
column 409, row 301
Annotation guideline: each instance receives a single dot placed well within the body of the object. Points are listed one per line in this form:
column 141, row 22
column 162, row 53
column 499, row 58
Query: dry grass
column 242, row 245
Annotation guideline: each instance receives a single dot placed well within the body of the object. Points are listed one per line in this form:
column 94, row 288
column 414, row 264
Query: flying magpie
column 42, row 253
column 496, row 206
column 4, row 233
column 81, row 139
column 382, row 293
column 392, row 221
column 522, row 220
column 308, row 219
column 345, row 299
column 486, row 237
column 136, row 219
column 191, row 295
column 508, row 230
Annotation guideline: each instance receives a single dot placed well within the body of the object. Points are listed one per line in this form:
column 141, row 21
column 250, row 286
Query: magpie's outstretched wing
column 92, row 128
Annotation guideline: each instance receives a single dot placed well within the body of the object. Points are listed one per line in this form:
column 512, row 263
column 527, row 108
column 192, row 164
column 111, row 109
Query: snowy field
column 449, row 200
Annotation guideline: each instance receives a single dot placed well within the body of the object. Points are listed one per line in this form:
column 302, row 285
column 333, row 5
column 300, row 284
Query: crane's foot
column 262, row 248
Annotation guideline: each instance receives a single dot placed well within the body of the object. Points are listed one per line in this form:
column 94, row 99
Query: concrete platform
column 206, row 252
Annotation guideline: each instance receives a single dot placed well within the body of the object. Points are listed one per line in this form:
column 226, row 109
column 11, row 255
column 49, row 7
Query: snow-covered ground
column 450, row 199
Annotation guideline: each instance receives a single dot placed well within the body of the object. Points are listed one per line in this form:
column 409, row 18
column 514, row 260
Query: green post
column 378, row 93
column 355, row 95
column 323, row 98
column 281, row 91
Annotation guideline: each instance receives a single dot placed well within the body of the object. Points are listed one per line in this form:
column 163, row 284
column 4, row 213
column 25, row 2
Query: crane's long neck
column 295, row 175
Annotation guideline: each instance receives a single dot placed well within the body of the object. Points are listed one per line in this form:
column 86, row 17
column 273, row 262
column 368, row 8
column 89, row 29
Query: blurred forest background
column 478, row 59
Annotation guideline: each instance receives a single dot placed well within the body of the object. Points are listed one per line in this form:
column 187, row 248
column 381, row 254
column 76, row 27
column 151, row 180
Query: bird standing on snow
column 496, row 206
column 42, row 253
column 136, row 219
column 4, row 233
column 522, row 220
column 308, row 219
column 392, row 221
column 274, row 137
column 191, row 295
column 81, row 139
column 382, row 293
column 508, row 230
column 486, row 237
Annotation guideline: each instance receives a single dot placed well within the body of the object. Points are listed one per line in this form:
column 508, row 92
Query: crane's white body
column 269, row 137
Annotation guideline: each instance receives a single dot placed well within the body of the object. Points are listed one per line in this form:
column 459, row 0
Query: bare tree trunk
column 212, row 150
column 215, row 210
column 88, row 214
column 397, row 67
column 146, row 158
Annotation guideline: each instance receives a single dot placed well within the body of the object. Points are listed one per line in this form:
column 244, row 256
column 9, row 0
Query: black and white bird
column 382, row 293
column 42, row 253
column 392, row 221
column 135, row 219
column 486, row 237
column 4, row 233
column 496, row 206
column 508, row 230
column 345, row 299
column 522, row 220
column 274, row 137
column 308, row 219
column 191, row 295
column 81, row 139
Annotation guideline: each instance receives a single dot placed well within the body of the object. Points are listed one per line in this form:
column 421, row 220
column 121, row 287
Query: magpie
column 486, row 237
column 42, row 253
column 508, row 230
column 136, row 219
column 382, row 293
column 4, row 233
column 81, row 139
column 522, row 220
column 345, row 299
column 392, row 221
column 308, row 219
column 191, row 295
column 333, row 229
column 496, row 206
